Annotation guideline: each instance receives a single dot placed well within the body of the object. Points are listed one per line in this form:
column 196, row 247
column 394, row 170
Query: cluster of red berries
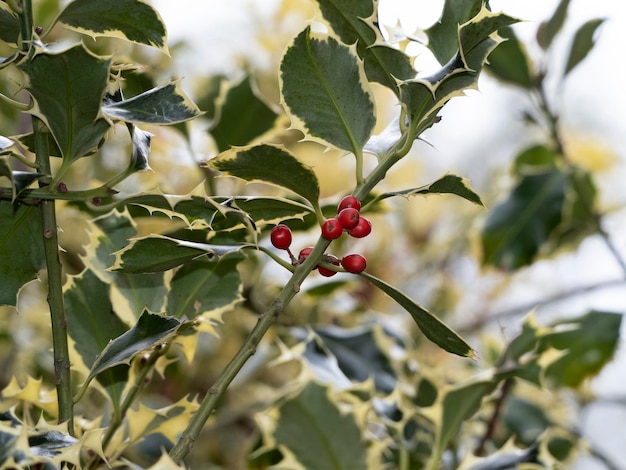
column 348, row 220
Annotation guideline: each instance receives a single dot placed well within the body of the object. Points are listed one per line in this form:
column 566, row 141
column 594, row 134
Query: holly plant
column 138, row 314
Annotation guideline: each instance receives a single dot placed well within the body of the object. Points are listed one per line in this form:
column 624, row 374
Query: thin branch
column 527, row 307
column 55, row 287
column 505, row 390
column 266, row 320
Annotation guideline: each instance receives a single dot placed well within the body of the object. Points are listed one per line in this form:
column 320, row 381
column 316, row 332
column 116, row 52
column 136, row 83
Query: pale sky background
column 486, row 126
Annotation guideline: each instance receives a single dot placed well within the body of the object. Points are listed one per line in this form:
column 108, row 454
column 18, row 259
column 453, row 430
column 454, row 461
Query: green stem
column 48, row 194
column 247, row 350
column 55, row 286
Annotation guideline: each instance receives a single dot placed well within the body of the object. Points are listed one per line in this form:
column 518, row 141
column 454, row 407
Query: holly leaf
column 141, row 149
column 133, row 20
column 271, row 164
column 518, row 227
column 201, row 286
column 584, row 40
column 447, row 184
column 167, row 104
column 150, row 330
column 158, row 253
column 21, row 249
column 110, row 233
column 67, row 89
column 587, row 343
column 9, row 25
column 360, row 354
column 325, row 93
column 356, row 21
column 455, row 405
column 92, row 323
column 318, row 435
column 442, row 36
column 433, row 328
column 424, row 97
column 243, row 116
column 509, row 62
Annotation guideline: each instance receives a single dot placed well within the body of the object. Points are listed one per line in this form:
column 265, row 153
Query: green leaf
column 579, row 213
column 150, row 330
column 202, row 286
column 525, row 419
column 28, row 141
column 447, row 184
column 385, row 65
column 9, row 25
column 132, row 20
column 534, row 159
column 167, row 104
column 355, row 21
column 423, row 98
column 92, row 323
column 157, row 253
column 243, row 116
column 509, row 61
column 272, row 164
column 584, row 40
column 214, row 212
column 325, row 92
column 359, row 355
column 433, row 328
column 318, row 434
column 518, row 227
column 549, row 29
column 456, row 405
column 20, row 180
column 587, row 343
column 110, row 233
column 68, row 89
column 442, row 36
column 21, row 249
column 141, row 149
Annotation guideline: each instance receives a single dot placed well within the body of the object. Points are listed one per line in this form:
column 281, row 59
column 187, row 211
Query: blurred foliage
column 163, row 279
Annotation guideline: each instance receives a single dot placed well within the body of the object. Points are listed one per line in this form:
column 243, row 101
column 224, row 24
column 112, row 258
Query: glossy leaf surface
column 133, row 20
column 447, row 184
column 158, row 253
column 325, row 92
column 167, row 104
column 202, row 286
column 355, row 22
column 243, row 116
column 68, row 89
column 271, row 164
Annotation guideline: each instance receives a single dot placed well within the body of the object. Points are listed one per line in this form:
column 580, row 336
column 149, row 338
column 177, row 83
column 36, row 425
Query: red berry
column 354, row 263
column 332, row 229
column 349, row 218
column 304, row 254
column 281, row 237
column 349, row 201
column 362, row 229
column 329, row 272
